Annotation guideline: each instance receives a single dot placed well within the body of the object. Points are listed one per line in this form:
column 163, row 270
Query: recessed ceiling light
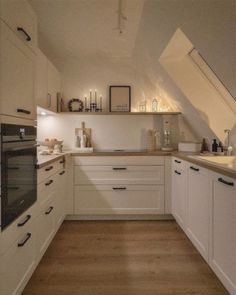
column 43, row 113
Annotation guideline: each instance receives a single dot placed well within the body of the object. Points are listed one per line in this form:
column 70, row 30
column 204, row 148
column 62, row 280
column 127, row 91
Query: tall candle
column 100, row 104
column 96, row 96
column 90, row 95
column 85, row 102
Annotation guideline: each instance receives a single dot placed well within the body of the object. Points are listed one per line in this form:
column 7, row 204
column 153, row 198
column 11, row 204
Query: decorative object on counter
column 151, row 140
column 83, row 139
column 50, row 146
column 75, row 105
column 214, row 146
column 189, row 146
column 120, row 98
column 167, row 137
column 154, row 105
column 204, row 147
column 143, row 106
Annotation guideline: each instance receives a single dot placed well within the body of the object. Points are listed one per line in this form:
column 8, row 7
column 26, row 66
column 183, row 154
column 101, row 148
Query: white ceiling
column 75, row 28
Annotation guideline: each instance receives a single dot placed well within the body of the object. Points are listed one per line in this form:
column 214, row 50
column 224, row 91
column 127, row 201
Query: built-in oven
column 18, row 171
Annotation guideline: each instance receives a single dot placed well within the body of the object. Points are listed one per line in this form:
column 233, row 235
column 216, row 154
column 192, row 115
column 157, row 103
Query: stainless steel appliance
column 18, row 171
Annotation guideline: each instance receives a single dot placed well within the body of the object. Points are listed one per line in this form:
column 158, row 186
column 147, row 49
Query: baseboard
column 120, row 217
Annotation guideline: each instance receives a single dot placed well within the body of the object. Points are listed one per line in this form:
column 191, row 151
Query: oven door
column 18, row 179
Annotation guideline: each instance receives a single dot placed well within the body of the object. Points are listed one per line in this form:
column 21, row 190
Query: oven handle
column 17, row 146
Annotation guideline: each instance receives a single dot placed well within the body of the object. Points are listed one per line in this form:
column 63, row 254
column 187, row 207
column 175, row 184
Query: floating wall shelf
column 123, row 113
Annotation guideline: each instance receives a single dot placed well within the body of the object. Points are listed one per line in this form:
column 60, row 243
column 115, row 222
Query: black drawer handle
column 177, row 161
column 19, row 29
column 225, row 181
column 119, row 188
column 13, row 188
column 21, row 244
column 62, row 162
column 63, row 172
column 25, row 221
column 49, row 210
column 23, row 111
column 177, row 172
column 49, row 168
column 194, row 168
column 13, row 168
column 49, row 182
column 119, row 168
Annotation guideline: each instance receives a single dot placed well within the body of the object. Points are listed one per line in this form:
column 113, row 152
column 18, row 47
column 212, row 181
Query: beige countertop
column 44, row 160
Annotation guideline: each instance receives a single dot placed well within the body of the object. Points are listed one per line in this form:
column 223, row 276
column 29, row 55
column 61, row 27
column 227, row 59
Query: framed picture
column 120, row 98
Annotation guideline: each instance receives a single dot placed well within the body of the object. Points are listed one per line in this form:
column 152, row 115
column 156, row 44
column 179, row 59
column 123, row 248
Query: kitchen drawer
column 178, row 164
column 18, row 263
column 10, row 234
column 45, row 227
column 47, row 171
column 118, row 175
column 125, row 199
column 119, row 160
column 47, row 189
column 19, row 14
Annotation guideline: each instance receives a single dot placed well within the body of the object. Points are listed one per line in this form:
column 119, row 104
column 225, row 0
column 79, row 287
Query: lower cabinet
column 198, row 198
column 119, row 199
column 18, row 263
column 45, row 226
column 223, row 231
column 179, row 194
column 60, row 204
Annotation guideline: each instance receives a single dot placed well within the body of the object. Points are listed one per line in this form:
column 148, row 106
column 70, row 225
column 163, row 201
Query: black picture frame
column 114, row 92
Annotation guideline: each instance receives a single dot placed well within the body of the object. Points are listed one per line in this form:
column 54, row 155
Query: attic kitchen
column 118, row 147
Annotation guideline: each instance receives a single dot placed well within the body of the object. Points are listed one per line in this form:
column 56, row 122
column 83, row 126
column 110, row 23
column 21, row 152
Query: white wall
column 109, row 131
column 210, row 24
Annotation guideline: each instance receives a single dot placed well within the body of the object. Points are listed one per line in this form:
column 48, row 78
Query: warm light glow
column 43, row 113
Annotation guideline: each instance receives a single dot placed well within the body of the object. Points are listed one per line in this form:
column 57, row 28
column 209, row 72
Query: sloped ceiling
column 84, row 31
column 75, row 28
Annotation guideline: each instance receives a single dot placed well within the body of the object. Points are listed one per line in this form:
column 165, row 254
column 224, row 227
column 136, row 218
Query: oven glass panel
column 19, row 178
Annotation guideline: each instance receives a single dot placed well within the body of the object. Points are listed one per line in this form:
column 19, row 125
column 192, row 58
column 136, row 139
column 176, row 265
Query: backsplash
column 111, row 131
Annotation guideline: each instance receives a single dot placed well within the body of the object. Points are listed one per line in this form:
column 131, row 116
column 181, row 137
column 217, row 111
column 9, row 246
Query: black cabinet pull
column 119, row 168
column 62, row 162
column 25, row 221
column 21, row 244
column 177, row 172
column 193, row 168
column 49, row 168
column 177, row 161
column 49, row 210
column 20, row 29
column 13, row 188
column 119, row 188
column 13, row 168
column 225, row 181
column 61, row 173
column 49, row 182
column 23, row 111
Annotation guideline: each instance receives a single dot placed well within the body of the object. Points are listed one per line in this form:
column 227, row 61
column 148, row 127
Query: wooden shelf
column 122, row 113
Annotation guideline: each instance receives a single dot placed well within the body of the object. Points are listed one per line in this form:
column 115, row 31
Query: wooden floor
column 122, row 258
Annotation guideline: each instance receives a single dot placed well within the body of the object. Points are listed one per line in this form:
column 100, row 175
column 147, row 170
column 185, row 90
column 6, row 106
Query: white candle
column 95, row 95
column 90, row 95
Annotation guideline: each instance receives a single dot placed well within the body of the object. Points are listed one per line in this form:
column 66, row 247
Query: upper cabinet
column 21, row 19
column 17, row 76
column 48, row 83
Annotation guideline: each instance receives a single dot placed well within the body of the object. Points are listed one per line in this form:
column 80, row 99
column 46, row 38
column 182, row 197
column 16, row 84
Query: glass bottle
column 154, row 105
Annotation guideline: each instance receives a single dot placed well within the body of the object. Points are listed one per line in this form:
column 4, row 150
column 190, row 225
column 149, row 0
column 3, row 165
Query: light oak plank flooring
column 122, row 258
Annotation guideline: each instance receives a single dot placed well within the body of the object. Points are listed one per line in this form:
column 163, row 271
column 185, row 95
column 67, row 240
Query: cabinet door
column 17, row 76
column 198, row 208
column 223, row 232
column 54, row 86
column 179, row 194
column 20, row 17
column 60, row 197
column 41, row 87
column 45, row 224
column 18, row 263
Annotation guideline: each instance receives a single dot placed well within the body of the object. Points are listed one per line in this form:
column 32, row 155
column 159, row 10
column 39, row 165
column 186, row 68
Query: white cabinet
column 198, row 199
column 61, row 197
column 179, row 191
column 223, row 232
column 18, row 263
column 119, row 185
column 48, row 83
column 17, row 76
column 21, row 19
